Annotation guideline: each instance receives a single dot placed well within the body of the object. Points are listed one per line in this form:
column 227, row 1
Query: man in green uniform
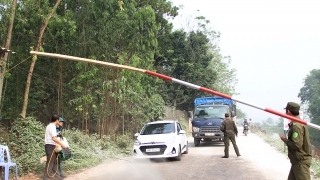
column 299, row 146
column 230, row 131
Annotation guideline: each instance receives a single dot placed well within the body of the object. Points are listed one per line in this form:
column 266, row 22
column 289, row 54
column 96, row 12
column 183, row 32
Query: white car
column 161, row 139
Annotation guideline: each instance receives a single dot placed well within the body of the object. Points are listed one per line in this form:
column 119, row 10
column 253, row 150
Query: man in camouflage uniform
column 299, row 146
column 230, row 131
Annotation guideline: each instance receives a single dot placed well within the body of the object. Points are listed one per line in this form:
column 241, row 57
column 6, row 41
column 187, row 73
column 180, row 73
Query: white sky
column 273, row 44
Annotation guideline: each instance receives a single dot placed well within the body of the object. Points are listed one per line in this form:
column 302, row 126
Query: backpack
column 65, row 154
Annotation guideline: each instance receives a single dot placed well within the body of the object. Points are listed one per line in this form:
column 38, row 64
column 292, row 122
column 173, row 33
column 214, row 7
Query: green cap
column 292, row 106
column 226, row 115
column 60, row 119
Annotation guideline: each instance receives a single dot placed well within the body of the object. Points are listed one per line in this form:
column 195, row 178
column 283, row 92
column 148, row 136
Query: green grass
column 315, row 168
column 273, row 129
column 278, row 144
column 275, row 142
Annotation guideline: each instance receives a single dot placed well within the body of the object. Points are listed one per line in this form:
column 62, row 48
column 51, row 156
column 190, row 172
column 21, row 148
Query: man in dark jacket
column 230, row 131
column 299, row 146
column 59, row 134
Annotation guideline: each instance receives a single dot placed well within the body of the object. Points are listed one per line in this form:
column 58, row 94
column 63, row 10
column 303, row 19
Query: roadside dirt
column 29, row 176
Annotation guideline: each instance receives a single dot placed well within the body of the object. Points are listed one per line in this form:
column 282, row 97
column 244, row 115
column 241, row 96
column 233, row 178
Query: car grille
column 162, row 149
column 209, row 129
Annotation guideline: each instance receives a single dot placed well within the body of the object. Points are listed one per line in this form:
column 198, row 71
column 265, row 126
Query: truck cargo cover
column 211, row 100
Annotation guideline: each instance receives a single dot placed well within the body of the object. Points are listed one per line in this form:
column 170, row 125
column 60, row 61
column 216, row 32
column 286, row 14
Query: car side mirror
column 190, row 114
column 136, row 134
column 182, row 132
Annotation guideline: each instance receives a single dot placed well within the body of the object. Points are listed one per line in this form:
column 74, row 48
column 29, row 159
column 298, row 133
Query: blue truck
column 207, row 117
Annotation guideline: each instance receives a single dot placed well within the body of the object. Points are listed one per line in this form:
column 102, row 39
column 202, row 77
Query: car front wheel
column 178, row 158
column 187, row 150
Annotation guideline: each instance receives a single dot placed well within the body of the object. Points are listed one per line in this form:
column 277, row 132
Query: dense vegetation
column 98, row 99
column 103, row 103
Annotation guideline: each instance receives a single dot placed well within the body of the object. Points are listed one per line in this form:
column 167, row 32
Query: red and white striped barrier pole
column 60, row 56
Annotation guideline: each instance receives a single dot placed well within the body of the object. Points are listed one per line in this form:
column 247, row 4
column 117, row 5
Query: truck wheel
column 196, row 142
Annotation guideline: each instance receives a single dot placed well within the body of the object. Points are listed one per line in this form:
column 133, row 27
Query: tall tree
column 269, row 122
column 280, row 122
column 4, row 61
column 184, row 57
column 34, row 58
column 310, row 95
column 241, row 114
column 193, row 57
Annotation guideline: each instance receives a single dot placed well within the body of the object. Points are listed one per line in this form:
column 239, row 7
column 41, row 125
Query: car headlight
column 137, row 143
column 195, row 129
column 171, row 140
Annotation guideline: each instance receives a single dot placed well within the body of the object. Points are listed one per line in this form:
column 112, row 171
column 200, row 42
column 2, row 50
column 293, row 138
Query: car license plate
column 153, row 150
column 209, row 134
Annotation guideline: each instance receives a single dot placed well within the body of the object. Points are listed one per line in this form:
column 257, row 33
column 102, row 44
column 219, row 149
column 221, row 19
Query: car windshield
column 210, row 112
column 161, row 128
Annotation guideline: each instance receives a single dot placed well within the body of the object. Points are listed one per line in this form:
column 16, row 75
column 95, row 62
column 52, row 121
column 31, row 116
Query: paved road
column 258, row 161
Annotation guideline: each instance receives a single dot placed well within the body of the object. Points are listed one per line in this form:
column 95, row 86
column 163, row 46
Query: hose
column 57, row 158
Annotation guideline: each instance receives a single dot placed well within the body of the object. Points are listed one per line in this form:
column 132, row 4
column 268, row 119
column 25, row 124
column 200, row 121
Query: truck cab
column 207, row 117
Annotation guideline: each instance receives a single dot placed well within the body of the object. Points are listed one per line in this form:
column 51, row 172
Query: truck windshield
column 210, row 112
column 161, row 128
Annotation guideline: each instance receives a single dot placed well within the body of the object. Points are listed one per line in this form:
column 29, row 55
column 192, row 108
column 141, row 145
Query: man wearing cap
column 299, row 146
column 230, row 131
column 59, row 134
column 59, row 127
column 51, row 141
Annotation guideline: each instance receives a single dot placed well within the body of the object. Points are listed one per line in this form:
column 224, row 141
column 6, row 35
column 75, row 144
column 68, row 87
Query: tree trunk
column 34, row 58
column 4, row 62
column 115, row 107
column 7, row 45
column 105, row 126
column 60, row 100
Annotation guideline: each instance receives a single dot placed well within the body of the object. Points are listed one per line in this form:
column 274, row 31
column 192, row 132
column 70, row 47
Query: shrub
column 184, row 125
column 26, row 144
column 124, row 142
